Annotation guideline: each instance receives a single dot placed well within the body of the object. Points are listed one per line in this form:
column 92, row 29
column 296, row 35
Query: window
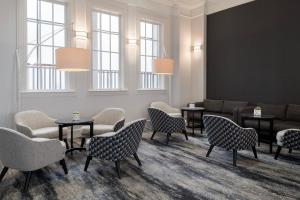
column 149, row 50
column 45, row 33
column 106, row 50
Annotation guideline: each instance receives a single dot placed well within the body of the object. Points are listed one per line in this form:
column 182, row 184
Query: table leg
column 271, row 136
column 193, row 123
column 258, row 132
column 91, row 129
column 182, row 113
column 72, row 137
column 60, row 128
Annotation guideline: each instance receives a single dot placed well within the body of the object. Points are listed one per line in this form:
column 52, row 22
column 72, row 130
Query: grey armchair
column 116, row 146
column 225, row 133
column 31, row 153
column 289, row 138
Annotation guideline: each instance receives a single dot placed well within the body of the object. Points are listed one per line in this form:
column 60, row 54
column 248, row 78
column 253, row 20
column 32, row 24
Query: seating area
column 149, row 99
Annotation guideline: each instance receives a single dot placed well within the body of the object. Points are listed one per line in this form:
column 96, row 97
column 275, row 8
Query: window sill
column 147, row 91
column 47, row 93
column 94, row 92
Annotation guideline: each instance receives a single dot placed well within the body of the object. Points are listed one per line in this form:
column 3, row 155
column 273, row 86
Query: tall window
column 106, row 50
column 149, row 50
column 45, row 33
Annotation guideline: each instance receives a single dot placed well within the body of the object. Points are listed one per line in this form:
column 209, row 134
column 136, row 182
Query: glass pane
column 105, row 61
column 59, row 13
column 148, row 64
column 148, row 30
column 46, row 11
column 31, row 32
column 32, row 9
column 29, row 78
column 143, row 29
column 143, row 47
column 115, row 43
column 46, row 55
column 155, row 32
column 114, row 24
column 96, row 60
column 31, row 54
column 114, row 61
column 149, row 48
column 46, row 34
column 59, row 37
column 96, row 41
column 96, row 21
column 105, row 44
column 63, row 80
column 105, row 22
column 143, row 63
column 95, row 80
column 155, row 48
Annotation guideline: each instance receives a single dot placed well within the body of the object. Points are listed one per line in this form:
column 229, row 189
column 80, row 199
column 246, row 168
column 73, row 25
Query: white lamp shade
column 72, row 59
column 163, row 66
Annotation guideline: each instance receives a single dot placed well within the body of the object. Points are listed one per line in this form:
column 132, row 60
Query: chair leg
column 277, row 152
column 27, row 181
column 168, row 137
column 290, row 150
column 209, row 150
column 64, row 166
column 254, row 152
column 66, row 142
column 154, row 132
column 185, row 133
column 89, row 158
column 82, row 142
column 118, row 168
column 234, row 157
column 137, row 159
column 5, row 169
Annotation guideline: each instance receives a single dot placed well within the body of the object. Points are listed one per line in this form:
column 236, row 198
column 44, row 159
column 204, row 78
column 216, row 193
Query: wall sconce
column 197, row 47
column 132, row 42
column 82, row 35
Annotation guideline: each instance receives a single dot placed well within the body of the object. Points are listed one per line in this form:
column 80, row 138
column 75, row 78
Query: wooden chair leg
column 290, row 150
column 277, row 152
column 234, row 157
column 118, row 168
column 168, row 137
column 254, row 152
column 185, row 133
column 88, row 159
column 209, row 150
column 82, row 142
column 4, row 171
column 154, row 132
column 137, row 159
column 27, row 181
column 64, row 166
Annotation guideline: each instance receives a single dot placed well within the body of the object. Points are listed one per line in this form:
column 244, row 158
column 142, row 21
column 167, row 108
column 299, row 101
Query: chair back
column 162, row 106
column 158, row 119
column 109, row 116
column 33, row 119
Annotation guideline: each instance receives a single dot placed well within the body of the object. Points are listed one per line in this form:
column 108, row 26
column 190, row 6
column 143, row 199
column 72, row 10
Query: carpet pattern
column 177, row 171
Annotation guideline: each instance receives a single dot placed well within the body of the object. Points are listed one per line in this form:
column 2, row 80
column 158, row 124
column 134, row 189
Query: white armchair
column 32, row 153
column 108, row 120
column 36, row 124
column 173, row 112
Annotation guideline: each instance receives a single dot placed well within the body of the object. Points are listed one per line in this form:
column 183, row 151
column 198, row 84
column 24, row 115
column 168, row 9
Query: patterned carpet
column 177, row 171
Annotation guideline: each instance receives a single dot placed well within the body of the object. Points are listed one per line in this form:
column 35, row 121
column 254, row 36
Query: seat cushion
column 278, row 111
column 293, row 112
column 49, row 132
column 98, row 129
column 175, row 114
column 283, row 125
column 228, row 106
column 213, row 105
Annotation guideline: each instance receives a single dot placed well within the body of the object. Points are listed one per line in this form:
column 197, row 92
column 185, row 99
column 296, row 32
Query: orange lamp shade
column 72, row 59
column 163, row 66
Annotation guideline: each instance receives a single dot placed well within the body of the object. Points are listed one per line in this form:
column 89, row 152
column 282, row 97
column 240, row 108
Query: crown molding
column 213, row 6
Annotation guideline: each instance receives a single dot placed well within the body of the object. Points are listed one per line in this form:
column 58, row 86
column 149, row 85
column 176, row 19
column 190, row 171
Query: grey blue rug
column 177, row 171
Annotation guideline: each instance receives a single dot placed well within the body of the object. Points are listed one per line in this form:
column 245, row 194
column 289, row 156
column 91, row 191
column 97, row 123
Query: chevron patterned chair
column 165, row 123
column 289, row 138
column 224, row 133
column 116, row 146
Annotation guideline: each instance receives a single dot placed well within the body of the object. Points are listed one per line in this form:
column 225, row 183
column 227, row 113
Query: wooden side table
column 193, row 111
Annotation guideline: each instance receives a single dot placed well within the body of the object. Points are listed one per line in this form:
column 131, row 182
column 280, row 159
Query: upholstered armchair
column 17, row 151
column 163, row 122
column 116, row 146
column 174, row 112
column 108, row 120
column 223, row 132
column 289, row 138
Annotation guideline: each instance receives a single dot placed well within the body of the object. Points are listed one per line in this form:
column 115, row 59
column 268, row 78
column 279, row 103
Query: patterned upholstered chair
column 289, row 138
column 174, row 112
column 162, row 122
column 108, row 120
column 17, row 151
column 224, row 133
column 116, row 146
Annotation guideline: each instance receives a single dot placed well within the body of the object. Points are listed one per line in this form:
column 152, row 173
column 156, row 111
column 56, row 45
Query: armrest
column 26, row 130
column 119, row 124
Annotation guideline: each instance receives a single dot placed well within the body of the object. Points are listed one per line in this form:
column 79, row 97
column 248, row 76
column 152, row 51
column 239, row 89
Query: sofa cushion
column 271, row 109
column 228, row 106
column 98, row 129
column 293, row 112
column 48, row 132
column 213, row 105
column 282, row 125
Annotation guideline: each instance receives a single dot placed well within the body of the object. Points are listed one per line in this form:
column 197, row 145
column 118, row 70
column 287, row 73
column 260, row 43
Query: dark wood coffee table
column 268, row 118
column 71, row 123
column 193, row 111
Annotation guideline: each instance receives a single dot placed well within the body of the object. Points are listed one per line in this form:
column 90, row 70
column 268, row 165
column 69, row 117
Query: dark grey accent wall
column 253, row 52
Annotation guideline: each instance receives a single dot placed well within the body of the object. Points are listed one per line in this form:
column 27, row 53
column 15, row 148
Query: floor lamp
column 164, row 66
